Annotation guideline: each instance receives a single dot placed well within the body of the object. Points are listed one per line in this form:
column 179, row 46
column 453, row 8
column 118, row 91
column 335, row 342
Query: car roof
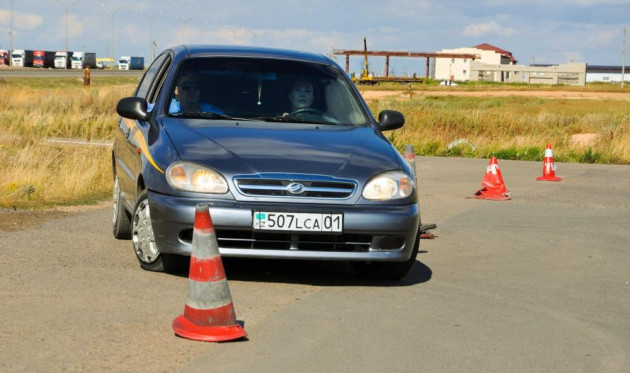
column 199, row 50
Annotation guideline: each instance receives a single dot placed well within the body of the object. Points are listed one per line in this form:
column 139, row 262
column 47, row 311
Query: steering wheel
column 307, row 110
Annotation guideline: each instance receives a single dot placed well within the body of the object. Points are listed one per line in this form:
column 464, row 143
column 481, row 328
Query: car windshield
column 264, row 89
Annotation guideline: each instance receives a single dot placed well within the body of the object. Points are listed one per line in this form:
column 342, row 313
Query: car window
column 145, row 87
column 265, row 89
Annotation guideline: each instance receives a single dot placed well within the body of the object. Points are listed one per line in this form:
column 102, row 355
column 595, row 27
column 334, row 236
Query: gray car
column 282, row 147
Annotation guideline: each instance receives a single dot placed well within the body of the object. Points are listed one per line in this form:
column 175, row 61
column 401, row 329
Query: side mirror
column 390, row 120
column 132, row 108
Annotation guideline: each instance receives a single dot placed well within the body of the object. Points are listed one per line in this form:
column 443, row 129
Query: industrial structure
column 606, row 74
column 454, row 68
column 498, row 65
column 483, row 62
column 567, row 74
column 368, row 77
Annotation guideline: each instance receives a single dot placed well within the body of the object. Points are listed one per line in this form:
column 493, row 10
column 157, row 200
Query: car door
column 129, row 144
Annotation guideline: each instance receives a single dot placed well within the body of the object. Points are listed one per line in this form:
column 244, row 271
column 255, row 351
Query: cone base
column 186, row 329
column 548, row 178
column 494, row 198
column 485, row 193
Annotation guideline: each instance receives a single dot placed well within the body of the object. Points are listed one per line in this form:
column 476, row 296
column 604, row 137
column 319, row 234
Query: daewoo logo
column 296, row 188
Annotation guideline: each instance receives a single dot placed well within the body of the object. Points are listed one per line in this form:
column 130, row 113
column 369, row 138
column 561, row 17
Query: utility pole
column 151, row 41
column 11, row 34
column 112, row 11
column 184, row 22
column 66, row 6
column 623, row 57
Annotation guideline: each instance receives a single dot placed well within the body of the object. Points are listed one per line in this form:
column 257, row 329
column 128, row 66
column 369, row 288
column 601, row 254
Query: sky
column 538, row 31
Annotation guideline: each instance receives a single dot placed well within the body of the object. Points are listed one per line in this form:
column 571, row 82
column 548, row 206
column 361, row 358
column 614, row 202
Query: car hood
column 255, row 147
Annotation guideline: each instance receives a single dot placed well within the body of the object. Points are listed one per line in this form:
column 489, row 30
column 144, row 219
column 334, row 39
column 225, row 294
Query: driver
column 301, row 95
column 187, row 95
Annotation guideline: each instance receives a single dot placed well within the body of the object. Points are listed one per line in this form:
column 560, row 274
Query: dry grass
column 513, row 127
column 37, row 173
column 434, row 85
column 36, row 113
column 40, row 174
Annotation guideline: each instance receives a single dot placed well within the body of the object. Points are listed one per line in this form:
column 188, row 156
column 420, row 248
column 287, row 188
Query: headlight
column 387, row 186
column 195, row 178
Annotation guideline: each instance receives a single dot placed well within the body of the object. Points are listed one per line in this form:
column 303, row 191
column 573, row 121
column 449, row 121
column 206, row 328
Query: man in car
column 187, row 95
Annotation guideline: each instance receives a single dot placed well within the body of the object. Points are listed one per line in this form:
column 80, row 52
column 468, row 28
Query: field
column 40, row 173
column 589, row 125
column 586, row 126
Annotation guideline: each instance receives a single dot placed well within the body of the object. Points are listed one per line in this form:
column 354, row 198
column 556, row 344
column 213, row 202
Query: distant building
column 606, row 74
column 568, row 74
column 459, row 68
column 498, row 65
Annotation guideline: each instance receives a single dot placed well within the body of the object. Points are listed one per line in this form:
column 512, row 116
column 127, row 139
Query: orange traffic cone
column 209, row 314
column 549, row 168
column 492, row 186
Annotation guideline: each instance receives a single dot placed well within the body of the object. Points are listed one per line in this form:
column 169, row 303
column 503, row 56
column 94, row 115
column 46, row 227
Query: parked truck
column 22, row 58
column 81, row 60
column 63, row 59
column 4, row 57
column 43, row 59
column 131, row 63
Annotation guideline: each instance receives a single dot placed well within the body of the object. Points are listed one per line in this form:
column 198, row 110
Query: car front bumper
column 370, row 233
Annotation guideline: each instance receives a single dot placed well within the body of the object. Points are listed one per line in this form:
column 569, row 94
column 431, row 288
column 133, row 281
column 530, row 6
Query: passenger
column 187, row 96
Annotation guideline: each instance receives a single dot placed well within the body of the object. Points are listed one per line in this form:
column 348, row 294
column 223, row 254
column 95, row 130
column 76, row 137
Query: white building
column 459, row 68
column 607, row 74
column 567, row 74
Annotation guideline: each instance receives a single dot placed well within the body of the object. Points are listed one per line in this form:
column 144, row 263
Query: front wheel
column 143, row 240
column 389, row 271
column 121, row 221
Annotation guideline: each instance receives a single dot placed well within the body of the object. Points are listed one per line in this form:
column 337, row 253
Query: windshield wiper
column 204, row 115
column 288, row 118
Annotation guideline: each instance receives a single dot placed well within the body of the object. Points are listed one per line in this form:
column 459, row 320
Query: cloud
column 563, row 3
column 597, row 2
column 481, row 29
column 21, row 21
column 75, row 26
column 602, row 34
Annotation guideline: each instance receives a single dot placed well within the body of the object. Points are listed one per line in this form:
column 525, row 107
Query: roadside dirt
column 16, row 219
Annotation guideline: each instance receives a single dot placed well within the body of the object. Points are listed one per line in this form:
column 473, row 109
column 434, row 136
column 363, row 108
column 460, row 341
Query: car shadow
column 308, row 272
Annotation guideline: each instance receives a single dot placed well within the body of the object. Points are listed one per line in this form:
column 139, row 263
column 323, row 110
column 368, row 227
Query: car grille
column 303, row 187
column 287, row 241
column 248, row 239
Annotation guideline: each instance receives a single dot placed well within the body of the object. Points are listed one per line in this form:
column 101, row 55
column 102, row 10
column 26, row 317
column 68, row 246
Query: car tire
column 144, row 245
column 121, row 221
column 387, row 271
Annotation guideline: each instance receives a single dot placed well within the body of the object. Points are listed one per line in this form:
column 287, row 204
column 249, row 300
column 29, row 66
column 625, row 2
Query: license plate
column 298, row 222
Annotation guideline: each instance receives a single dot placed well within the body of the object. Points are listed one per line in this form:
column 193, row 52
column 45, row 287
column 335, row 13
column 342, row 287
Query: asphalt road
column 540, row 283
